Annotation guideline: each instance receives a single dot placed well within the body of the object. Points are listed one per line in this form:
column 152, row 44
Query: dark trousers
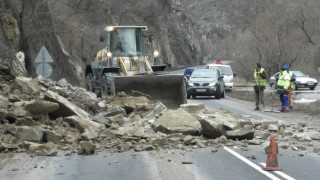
column 284, row 98
column 259, row 94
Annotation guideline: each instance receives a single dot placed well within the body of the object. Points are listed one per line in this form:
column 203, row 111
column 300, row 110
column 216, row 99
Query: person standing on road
column 283, row 89
column 292, row 77
column 259, row 85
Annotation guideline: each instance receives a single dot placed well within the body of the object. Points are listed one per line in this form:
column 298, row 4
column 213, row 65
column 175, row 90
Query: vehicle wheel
column 295, row 86
column 89, row 83
column 194, row 96
column 106, row 81
column 218, row 96
column 222, row 95
column 312, row 88
column 188, row 96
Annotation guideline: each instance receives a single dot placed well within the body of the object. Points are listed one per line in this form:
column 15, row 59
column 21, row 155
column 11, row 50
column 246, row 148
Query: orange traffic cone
column 272, row 161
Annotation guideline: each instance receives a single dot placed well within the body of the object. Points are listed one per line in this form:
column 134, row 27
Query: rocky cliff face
column 68, row 27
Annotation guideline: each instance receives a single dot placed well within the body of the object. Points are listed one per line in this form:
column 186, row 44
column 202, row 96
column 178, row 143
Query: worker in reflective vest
column 283, row 89
column 292, row 77
column 259, row 85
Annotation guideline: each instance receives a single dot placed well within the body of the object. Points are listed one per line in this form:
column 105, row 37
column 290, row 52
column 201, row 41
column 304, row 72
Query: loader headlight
column 190, row 84
column 156, row 53
column 109, row 28
column 109, row 54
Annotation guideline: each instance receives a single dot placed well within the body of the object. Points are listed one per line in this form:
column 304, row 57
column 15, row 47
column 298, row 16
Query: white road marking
column 231, row 102
column 253, row 165
column 280, row 173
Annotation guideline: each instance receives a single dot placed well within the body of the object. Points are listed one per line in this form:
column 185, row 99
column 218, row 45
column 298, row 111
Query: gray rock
column 11, row 129
column 5, row 89
column 110, row 112
column 284, row 145
column 52, row 136
column 306, row 135
column 3, row 114
column 62, row 83
column 48, row 149
column 272, row 128
column 193, row 108
column 82, row 96
column 211, row 128
column 142, row 107
column 245, row 122
column 86, row 147
column 155, row 111
column 4, row 103
column 83, row 125
column 129, row 102
column 177, row 121
column 26, row 85
column 25, row 133
column 189, row 140
column 41, row 107
column 66, row 108
column 240, row 134
column 26, row 121
column 316, row 150
column 86, row 136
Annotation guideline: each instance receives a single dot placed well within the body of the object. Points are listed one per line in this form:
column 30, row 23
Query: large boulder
column 26, row 85
column 25, row 133
column 177, row 121
column 210, row 128
column 48, row 149
column 129, row 103
column 41, row 107
column 155, row 111
column 193, row 108
column 19, row 109
column 81, row 95
column 66, row 108
column 52, row 136
column 83, row 125
column 240, row 134
column 86, row 147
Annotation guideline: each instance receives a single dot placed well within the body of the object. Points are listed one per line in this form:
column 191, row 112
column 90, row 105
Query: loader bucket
column 169, row 89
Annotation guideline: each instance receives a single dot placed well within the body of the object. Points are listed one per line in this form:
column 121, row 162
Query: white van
column 226, row 71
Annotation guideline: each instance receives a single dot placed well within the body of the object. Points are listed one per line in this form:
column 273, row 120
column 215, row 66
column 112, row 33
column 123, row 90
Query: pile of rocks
column 43, row 117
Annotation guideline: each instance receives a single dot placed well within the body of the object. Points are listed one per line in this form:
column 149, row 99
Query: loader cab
column 126, row 41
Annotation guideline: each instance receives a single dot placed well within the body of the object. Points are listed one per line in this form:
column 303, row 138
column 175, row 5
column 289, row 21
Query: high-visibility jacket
column 292, row 79
column 284, row 80
column 259, row 80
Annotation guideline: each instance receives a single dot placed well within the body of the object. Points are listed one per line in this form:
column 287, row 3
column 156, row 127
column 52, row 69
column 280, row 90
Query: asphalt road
column 228, row 163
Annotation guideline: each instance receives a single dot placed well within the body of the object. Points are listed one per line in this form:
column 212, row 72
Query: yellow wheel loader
column 126, row 63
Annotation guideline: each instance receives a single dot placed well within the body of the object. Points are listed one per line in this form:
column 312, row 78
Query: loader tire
column 89, row 83
column 106, row 82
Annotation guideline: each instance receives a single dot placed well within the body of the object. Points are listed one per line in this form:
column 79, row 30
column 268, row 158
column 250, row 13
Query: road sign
column 43, row 56
column 44, row 69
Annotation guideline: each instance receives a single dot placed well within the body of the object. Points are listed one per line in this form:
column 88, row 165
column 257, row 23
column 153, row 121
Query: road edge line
column 280, row 173
column 253, row 165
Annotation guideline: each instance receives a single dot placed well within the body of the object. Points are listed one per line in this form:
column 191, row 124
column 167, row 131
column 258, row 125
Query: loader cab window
column 126, row 42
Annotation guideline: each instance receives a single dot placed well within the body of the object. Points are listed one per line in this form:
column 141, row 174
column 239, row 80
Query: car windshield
column 204, row 74
column 299, row 74
column 223, row 69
